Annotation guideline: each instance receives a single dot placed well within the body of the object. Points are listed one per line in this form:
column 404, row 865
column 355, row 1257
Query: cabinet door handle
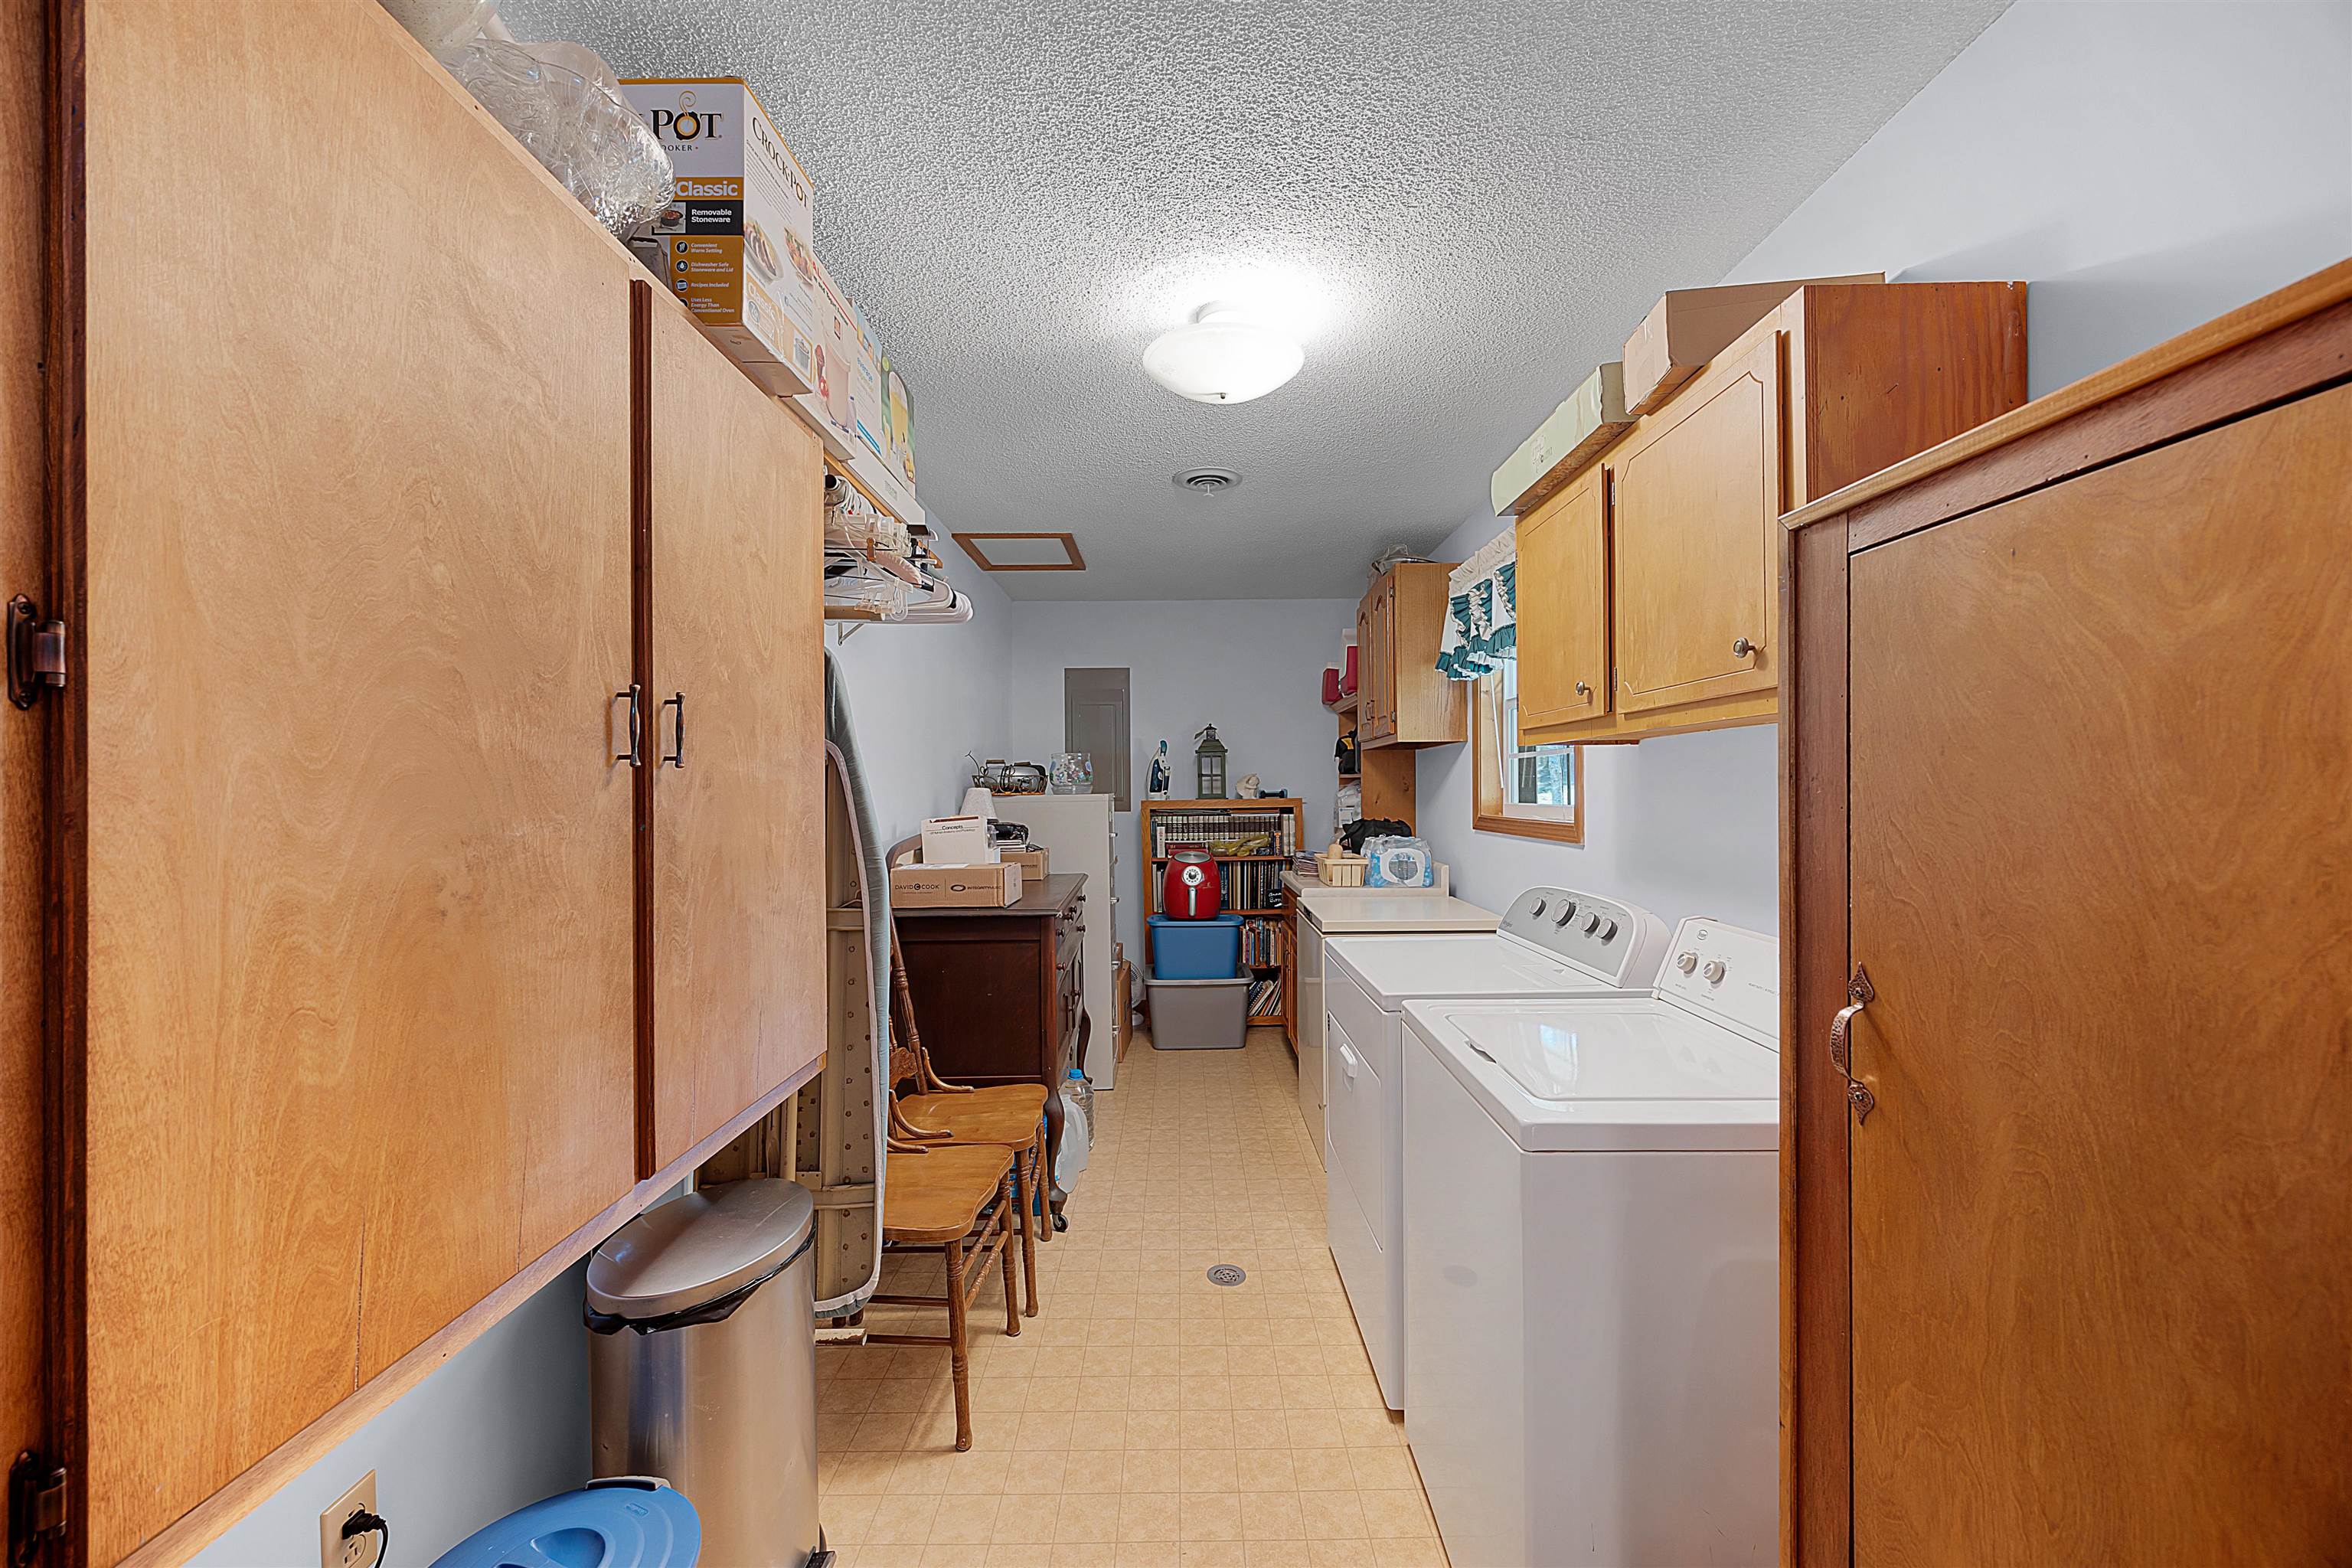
column 634, row 697
column 1860, row 994
column 1584, row 691
column 676, row 755
column 1741, row 648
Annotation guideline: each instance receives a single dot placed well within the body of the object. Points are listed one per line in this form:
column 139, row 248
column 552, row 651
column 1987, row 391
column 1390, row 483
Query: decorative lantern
column 1209, row 764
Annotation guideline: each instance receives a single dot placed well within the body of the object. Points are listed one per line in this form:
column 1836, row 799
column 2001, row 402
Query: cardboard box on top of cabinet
column 832, row 403
column 734, row 240
column 955, row 887
column 898, row 443
column 1592, row 417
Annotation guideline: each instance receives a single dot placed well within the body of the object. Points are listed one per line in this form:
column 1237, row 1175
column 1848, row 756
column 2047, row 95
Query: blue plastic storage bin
column 1195, row 949
column 628, row 1522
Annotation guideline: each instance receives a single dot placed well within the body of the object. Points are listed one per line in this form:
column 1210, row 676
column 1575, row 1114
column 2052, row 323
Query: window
column 1535, row 791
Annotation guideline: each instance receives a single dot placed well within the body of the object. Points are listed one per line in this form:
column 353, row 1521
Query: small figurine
column 1159, row 790
column 1248, row 786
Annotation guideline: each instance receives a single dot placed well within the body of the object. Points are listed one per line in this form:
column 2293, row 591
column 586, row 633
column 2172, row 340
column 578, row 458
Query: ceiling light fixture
column 1226, row 355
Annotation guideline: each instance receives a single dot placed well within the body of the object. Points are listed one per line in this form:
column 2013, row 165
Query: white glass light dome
column 1226, row 355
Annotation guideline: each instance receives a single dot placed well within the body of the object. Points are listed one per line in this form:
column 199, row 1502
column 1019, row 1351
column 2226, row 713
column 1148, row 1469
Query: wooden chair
column 955, row 1199
column 1008, row 1116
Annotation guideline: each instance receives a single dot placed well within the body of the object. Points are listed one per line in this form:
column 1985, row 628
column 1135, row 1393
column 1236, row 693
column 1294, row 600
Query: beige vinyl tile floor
column 1145, row 1418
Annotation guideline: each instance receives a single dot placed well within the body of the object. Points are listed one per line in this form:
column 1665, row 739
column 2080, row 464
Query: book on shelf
column 1202, row 827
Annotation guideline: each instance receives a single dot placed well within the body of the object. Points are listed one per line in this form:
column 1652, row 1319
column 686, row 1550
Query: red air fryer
column 1191, row 891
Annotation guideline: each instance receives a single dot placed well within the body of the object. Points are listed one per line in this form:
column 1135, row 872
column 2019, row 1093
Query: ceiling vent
column 1207, row 481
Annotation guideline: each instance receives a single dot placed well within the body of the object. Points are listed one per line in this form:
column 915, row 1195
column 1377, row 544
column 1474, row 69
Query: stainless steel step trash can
column 702, row 1365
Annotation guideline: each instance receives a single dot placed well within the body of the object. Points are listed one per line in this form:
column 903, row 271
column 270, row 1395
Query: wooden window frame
column 1485, row 765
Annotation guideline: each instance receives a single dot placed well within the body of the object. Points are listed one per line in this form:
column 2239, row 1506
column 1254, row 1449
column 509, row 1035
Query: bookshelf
column 1252, row 881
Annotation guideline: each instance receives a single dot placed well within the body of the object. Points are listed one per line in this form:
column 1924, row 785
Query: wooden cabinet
column 733, row 728
column 340, row 896
column 1698, row 506
column 1401, row 700
column 1678, row 524
column 1563, row 633
column 2075, row 1165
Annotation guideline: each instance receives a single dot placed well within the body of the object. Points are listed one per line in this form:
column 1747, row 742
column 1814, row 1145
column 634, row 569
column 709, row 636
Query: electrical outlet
column 337, row 1550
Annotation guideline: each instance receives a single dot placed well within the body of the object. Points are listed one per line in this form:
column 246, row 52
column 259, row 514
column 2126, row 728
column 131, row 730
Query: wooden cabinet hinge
column 37, row 1506
column 37, row 652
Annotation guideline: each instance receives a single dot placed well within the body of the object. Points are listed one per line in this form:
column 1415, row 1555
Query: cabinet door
column 1563, row 623
column 354, row 855
column 2099, row 743
column 1695, row 537
column 1380, row 667
column 735, row 722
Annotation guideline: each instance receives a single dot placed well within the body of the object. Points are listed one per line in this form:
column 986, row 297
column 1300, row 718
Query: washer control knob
column 1687, row 962
column 1537, row 910
column 1567, row 912
column 1591, row 924
column 1608, row 930
column 1714, row 971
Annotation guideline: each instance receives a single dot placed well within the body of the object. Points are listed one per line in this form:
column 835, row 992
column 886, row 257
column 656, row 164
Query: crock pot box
column 735, row 238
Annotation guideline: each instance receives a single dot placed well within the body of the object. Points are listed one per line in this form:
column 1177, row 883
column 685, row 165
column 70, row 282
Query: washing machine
column 1554, row 942
column 1592, row 1241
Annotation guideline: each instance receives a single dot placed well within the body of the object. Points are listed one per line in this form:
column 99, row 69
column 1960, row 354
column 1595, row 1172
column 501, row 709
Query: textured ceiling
column 1463, row 207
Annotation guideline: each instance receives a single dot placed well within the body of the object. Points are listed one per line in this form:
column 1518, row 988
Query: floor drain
column 1226, row 1274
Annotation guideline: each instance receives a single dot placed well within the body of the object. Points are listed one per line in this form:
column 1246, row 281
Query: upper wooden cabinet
column 377, row 985
column 349, row 540
column 1678, row 524
column 1401, row 700
column 1563, row 647
column 735, row 733
column 1698, row 500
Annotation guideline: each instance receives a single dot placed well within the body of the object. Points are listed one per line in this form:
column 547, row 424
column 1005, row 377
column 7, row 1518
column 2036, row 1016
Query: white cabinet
column 1075, row 831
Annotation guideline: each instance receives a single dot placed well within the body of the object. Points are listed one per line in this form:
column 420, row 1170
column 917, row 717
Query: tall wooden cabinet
column 1648, row 594
column 2068, row 741
column 1400, row 699
column 360, row 1015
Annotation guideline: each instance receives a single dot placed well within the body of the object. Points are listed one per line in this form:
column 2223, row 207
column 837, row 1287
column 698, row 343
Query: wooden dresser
column 2067, row 733
column 997, row 992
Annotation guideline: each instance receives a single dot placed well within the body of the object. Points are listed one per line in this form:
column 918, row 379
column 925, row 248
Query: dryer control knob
column 1591, row 924
column 1714, row 971
column 1608, row 930
column 1687, row 962
column 1539, row 908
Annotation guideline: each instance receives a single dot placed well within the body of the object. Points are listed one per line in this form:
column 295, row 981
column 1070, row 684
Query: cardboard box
column 736, row 235
column 1689, row 327
column 1577, row 432
column 1033, row 862
column 959, row 841
column 832, row 402
column 955, row 887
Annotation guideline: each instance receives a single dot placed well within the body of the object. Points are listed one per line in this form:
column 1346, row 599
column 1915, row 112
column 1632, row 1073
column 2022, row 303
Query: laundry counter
column 1319, row 912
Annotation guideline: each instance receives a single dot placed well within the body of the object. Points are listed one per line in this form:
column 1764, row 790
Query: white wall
column 1252, row 667
column 2145, row 167
column 922, row 697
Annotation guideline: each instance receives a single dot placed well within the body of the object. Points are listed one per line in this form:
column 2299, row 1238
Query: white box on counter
column 733, row 242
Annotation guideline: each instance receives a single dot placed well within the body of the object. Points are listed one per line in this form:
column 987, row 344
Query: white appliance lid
column 1335, row 909
column 1395, row 969
column 1606, row 1074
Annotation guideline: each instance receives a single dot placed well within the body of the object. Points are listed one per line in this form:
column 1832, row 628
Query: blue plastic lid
column 624, row 1522
column 1196, row 923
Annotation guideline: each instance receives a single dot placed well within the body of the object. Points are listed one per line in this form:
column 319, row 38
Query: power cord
column 362, row 1522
